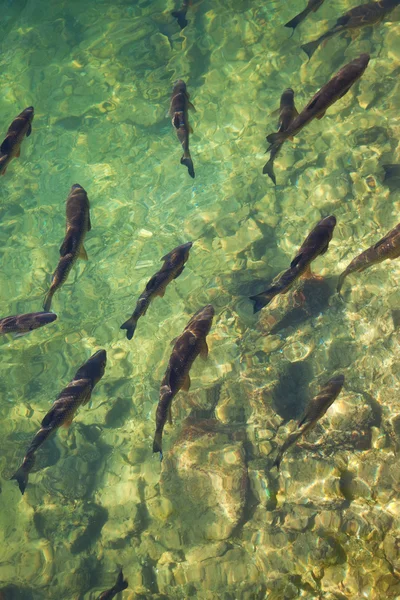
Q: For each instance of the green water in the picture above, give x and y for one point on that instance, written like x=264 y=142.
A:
x=212 y=521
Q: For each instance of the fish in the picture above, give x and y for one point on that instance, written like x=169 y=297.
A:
x=313 y=413
x=22 y=324
x=178 y=111
x=315 y=244
x=77 y=393
x=312 y=6
x=174 y=264
x=180 y=15
x=120 y=585
x=11 y=146
x=391 y=172
x=359 y=16
x=385 y=248
x=332 y=91
x=287 y=112
x=78 y=224
x=187 y=347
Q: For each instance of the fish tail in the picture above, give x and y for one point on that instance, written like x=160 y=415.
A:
x=22 y=475
x=187 y=161
x=121 y=583
x=311 y=47
x=157 y=443
x=269 y=170
x=47 y=301
x=130 y=326
x=278 y=460
x=261 y=300
x=297 y=20
x=275 y=139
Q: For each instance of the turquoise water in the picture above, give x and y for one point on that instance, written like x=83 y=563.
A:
x=212 y=520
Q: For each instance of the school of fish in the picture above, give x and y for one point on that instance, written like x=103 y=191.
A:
x=192 y=342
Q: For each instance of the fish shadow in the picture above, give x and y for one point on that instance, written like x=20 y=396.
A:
x=316 y=294
x=292 y=392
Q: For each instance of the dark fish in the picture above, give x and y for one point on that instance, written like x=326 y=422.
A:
x=313 y=413
x=359 y=16
x=21 y=324
x=120 y=585
x=174 y=263
x=180 y=15
x=312 y=6
x=76 y=394
x=187 y=347
x=178 y=111
x=11 y=146
x=332 y=91
x=315 y=244
x=391 y=172
x=287 y=112
x=387 y=247
x=78 y=224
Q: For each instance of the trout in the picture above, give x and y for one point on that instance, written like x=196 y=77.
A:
x=287 y=112
x=387 y=247
x=312 y=6
x=78 y=224
x=178 y=111
x=11 y=146
x=315 y=244
x=313 y=413
x=174 y=264
x=332 y=91
x=359 y=16
x=21 y=324
x=120 y=585
x=76 y=394
x=187 y=347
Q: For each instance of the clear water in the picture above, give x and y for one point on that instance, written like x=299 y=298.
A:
x=211 y=521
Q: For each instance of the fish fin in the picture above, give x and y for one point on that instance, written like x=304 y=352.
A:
x=269 y=170
x=204 y=350
x=176 y=121
x=130 y=326
x=67 y=245
x=179 y=271
x=21 y=476
x=20 y=334
x=307 y=273
x=121 y=584
x=174 y=340
x=190 y=105
x=276 y=138
x=296 y=260
x=259 y=301
x=157 y=443
x=278 y=460
x=82 y=253
x=29 y=130
x=169 y=415
x=321 y=115
x=310 y=48
x=69 y=420
x=186 y=383
x=294 y=22
x=89 y=227
x=190 y=129
x=160 y=292
x=6 y=146
x=187 y=161
x=18 y=153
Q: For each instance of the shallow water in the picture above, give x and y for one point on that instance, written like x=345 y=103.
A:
x=212 y=520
